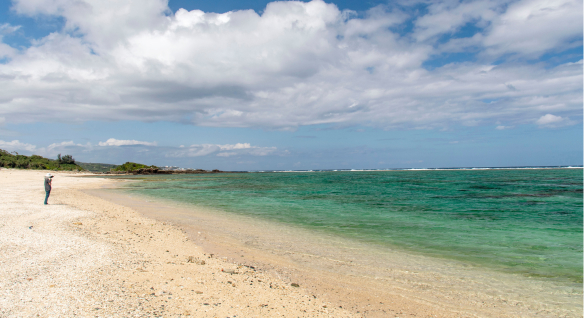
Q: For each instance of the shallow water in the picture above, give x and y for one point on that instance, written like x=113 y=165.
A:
x=447 y=241
x=517 y=220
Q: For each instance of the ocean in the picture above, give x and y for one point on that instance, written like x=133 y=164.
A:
x=519 y=221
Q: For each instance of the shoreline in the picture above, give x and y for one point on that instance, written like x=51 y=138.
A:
x=84 y=256
x=152 y=263
x=344 y=273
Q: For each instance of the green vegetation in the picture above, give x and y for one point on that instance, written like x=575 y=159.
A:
x=14 y=160
x=97 y=167
x=132 y=166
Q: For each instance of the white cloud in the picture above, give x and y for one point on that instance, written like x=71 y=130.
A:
x=6 y=28
x=6 y=51
x=448 y=17
x=116 y=143
x=16 y=145
x=533 y=27
x=76 y=149
x=552 y=121
x=221 y=150
x=295 y=64
x=236 y=146
x=194 y=151
x=49 y=151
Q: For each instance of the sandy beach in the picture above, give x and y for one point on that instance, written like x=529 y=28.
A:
x=83 y=255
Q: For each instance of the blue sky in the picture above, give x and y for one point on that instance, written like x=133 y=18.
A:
x=258 y=85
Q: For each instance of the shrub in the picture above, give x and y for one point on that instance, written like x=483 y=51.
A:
x=66 y=159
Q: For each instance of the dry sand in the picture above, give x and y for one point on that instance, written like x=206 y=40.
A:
x=82 y=255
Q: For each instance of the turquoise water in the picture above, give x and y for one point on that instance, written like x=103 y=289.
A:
x=518 y=220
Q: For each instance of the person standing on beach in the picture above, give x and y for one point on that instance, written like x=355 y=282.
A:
x=48 y=186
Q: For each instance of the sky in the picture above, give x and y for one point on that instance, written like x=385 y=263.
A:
x=294 y=85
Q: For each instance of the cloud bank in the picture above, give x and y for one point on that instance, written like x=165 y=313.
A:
x=65 y=147
x=296 y=64
x=221 y=150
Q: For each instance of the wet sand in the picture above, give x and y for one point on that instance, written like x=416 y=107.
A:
x=95 y=252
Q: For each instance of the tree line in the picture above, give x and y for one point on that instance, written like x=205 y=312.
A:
x=15 y=160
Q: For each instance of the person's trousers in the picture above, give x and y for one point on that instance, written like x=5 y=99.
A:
x=47 y=197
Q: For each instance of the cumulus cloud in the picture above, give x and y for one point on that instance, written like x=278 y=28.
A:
x=16 y=145
x=295 y=64
x=116 y=143
x=552 y=121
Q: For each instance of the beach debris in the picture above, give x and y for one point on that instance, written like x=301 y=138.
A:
x=229 y=271
x=294 y=285
x=198 y=292
x=196 y=260
x=30 y=227
x=77 y=223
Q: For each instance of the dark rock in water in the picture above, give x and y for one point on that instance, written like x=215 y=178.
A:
x=146 y=171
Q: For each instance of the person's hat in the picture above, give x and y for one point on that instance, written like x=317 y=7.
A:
x=49 y=175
